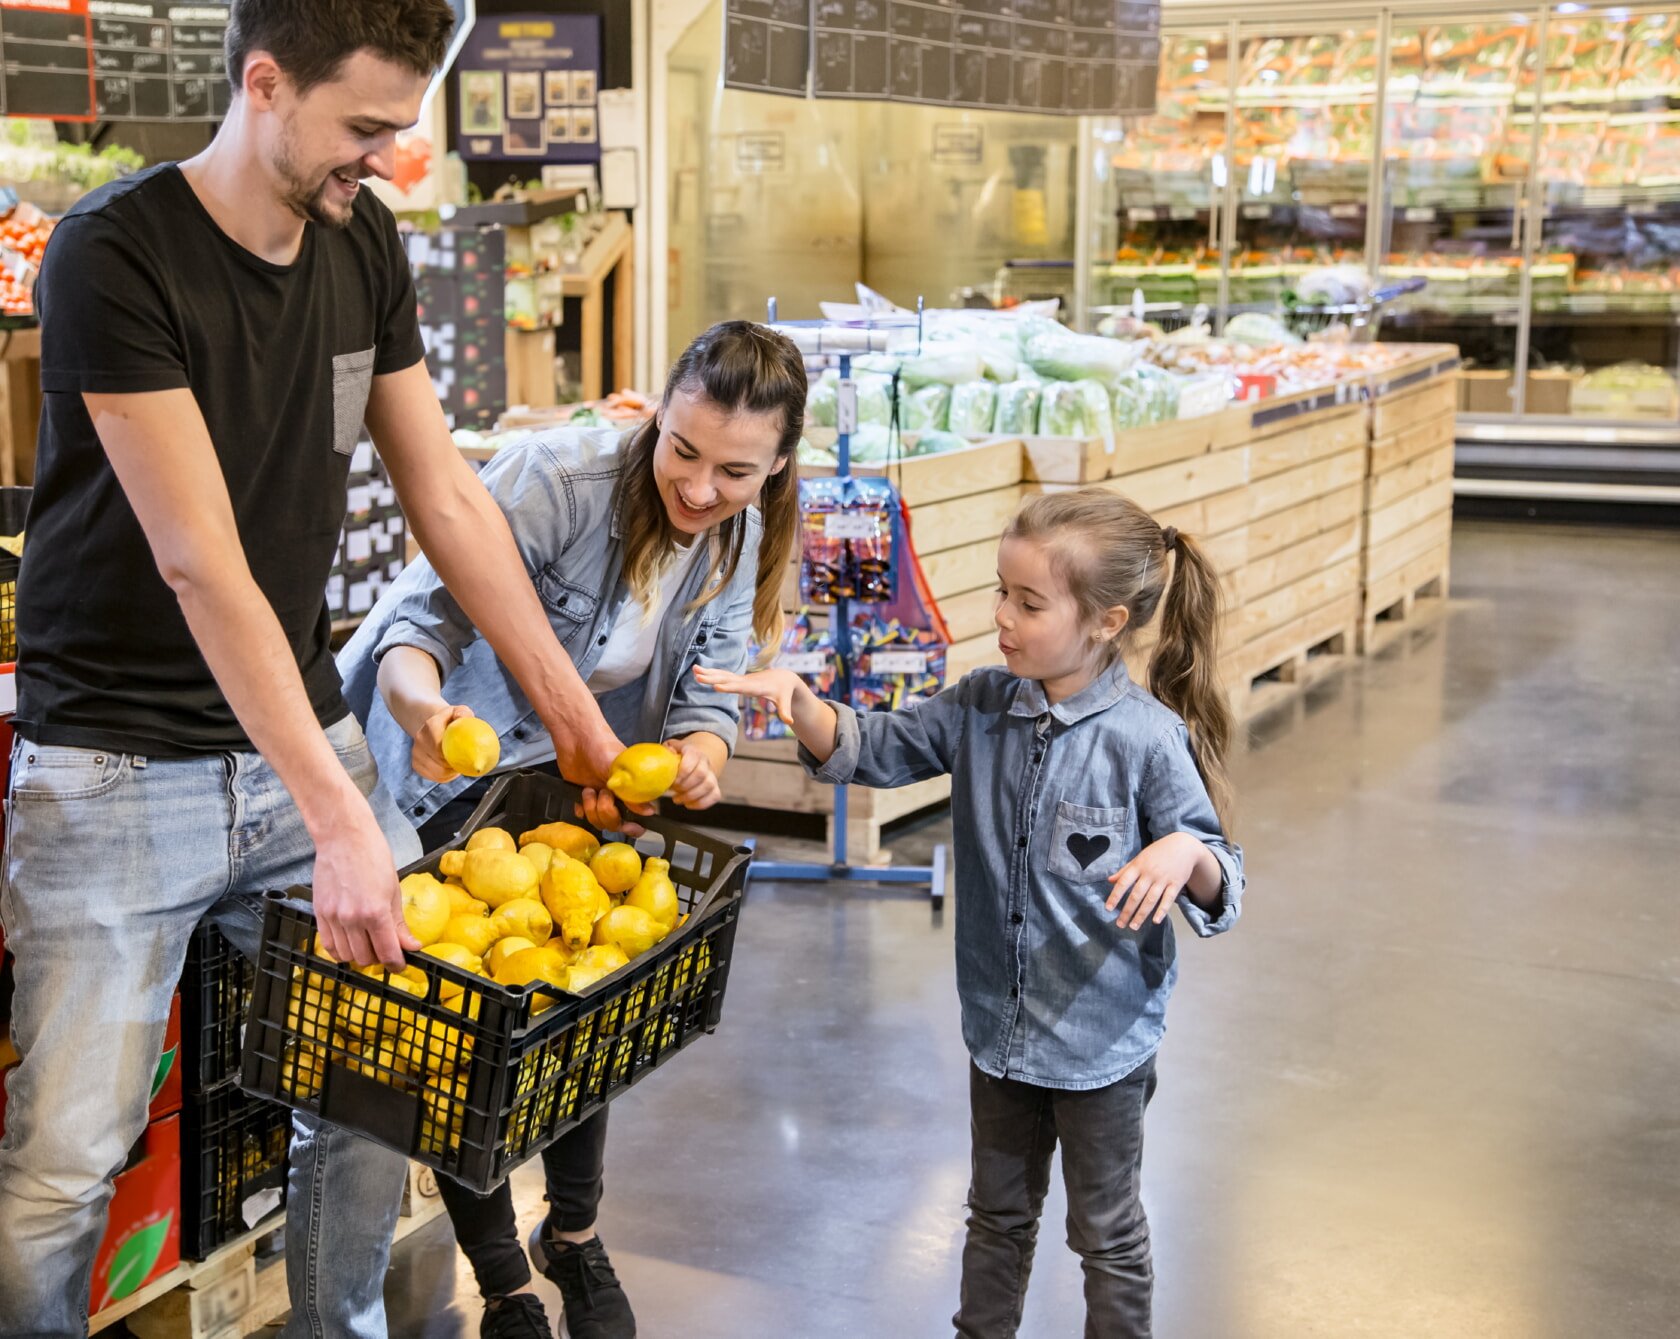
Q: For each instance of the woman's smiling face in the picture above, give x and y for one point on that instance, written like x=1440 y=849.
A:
x=709 y=464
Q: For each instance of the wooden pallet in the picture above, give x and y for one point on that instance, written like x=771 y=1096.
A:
x=1405 y=596
x=1408 y=505
x=1291 y=658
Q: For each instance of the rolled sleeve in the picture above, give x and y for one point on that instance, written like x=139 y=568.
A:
x=1175 y=799
x=406 y=633
x=894 y=748
x=842 y=763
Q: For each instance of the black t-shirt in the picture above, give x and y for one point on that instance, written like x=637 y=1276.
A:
x=141 y=291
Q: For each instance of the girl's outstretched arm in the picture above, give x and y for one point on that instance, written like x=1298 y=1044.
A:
x=812 y=720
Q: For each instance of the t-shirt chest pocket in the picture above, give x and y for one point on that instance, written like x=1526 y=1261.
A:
x=352 y=380
x=1089 y=844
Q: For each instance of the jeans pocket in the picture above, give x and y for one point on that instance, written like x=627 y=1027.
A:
x=351 y=746
x=57 y=773
x=352 y=380
x=1089 y=844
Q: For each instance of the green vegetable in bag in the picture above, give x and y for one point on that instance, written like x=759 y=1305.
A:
x=1072 y=357
x=1099 y=410
x=1017 y=408
x=973 y=405
x=934 y=443
x=1062 y=411
x=822 y=402
x=943 y=364
x=924 y=409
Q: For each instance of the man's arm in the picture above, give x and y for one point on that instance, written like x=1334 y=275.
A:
x=161 y=451
x=467 y=540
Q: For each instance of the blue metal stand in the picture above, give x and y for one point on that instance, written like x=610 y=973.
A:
x=841 y=870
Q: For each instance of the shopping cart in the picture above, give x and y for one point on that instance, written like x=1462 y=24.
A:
x=1359 y=319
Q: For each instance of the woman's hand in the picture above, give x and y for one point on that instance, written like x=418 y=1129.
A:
x=427 y=755
x=697 y=785
x=773 y=685
x=1155 y=877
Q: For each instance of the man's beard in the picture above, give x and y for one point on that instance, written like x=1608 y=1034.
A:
x=306 y=201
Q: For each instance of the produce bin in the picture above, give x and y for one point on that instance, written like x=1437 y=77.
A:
x=462 y=1074
x=215 y=994
x=233 y=1151
x=14 y=510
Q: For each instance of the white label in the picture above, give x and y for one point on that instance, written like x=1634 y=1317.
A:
x=1420 y=214
x=1141 y=214
x=1257 y=211
x=853 y=525
x=803 y=662
x=361 y=597
x=845 y=407
x=258 y=1206
x=359 y=499
x=358 y=546
x=8 y=694
x=361 y=458
x=1345 y=211
x=898 y=662
x=1181 y=213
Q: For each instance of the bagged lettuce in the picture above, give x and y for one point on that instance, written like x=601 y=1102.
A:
x=924 y=409
x=943 y=364
x=934 y=443
x=1066 y=356
x=1017 y=408
x=874 y=444
x=822 y=401
x=874 y=395
x=1062 y=411
x=973 y=405
x=1099 y=410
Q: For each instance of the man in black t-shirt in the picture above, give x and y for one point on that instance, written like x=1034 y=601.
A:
x=214 y=335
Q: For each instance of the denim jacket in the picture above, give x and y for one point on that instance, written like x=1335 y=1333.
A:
x=556 y=490
x=1047 y=802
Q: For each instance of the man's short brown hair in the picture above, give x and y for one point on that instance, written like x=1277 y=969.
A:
x=311 y=39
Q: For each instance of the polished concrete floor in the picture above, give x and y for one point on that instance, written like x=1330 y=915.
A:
x=1429 y=1088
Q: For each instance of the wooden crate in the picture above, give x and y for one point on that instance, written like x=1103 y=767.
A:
x=1070 y=460
x=1407 y=554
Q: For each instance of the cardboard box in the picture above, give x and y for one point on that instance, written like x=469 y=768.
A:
x=1485 y=392
x=143 y=1226
x=1548 y=391
x=166 y=1078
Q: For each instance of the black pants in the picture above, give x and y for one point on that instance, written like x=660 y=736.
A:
x=1016 y=1127
x=485 y=1225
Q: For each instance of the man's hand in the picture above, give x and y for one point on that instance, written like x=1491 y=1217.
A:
x=358 y=904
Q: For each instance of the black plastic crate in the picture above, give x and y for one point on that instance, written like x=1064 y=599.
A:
x=233 y=1149
x=14 y=513
x=215 y=997
x=467 y=1076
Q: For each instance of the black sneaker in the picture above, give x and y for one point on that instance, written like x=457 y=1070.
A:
x=520 y=1316
x=596 y=1307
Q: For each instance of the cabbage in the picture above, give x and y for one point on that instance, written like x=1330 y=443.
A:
x=945 y=364
x=1259 y=330
x=1130 y=408
x=872 y=445
x=972 y=407
x=1069 y=357
x=1099 y=410
x=822 y=403
x=934 y=443
x=1017 y=408
x=874 y=397
x=929 y=407
x=816 y=457
x=1062 y=411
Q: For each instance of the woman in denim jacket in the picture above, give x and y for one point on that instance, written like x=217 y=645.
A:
x=654 y=553
x=1075 y=793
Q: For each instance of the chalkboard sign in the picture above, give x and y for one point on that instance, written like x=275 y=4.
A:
x=1062 y=57
x=116 y=60
x=767 y=45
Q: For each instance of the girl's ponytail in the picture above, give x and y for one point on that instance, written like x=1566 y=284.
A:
x=1184 y=671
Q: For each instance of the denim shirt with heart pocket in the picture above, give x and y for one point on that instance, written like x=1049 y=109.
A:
x=558 y=492
x=1047 y=802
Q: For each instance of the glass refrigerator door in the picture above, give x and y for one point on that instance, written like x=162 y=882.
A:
x=1456 y=165
x=1606 y=293
x=1158 y=193
x=1301 y=152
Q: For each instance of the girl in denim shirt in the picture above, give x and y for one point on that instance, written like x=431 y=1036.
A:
x=653 y=551
x=1085 y=807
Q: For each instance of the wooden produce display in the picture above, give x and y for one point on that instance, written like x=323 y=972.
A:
x=1407 y=554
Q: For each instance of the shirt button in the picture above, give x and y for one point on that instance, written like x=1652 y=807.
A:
x=419 y=808
x=601 y=640
x=1021 y=842
x=1014 y=992
x=1017 y=918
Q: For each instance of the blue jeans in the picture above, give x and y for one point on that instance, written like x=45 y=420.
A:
x=111 y=860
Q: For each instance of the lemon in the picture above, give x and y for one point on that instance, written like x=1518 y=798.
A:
x=535 y=964
x=575 y=900
x=425 y=904
x=449 y=992
x=473 y=933
x=630 y=929
x=579 y=843
x=617 y=867
x=491 y=839
x=492 y=876
x=523 y=918
x=643 y=772
x=540 y=854
x=655 y=894
x=502 y=950
x=470 y=746
x=593 y=964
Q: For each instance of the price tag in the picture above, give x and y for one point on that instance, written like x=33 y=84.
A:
x=852 y=525
x=1181 y=213
x=1345 y=211
x=898 y=662
x=1257 y=211
x=845 y=408
x=1141 y=214
x=803 y=662
x=1420 y=214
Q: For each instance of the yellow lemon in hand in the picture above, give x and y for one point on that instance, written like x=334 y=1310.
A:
x=470 y=746
x=643 y=772
x=616 y=867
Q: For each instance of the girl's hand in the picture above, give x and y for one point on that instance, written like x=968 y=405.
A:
x=427 y=755
x=1155 y=878
x=773 y=685
x=696 y=786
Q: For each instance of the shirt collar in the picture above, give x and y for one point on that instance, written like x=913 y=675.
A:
x=1098 y=695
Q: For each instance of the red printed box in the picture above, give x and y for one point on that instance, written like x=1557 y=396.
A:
x=166 y=1078
x=143 y=1230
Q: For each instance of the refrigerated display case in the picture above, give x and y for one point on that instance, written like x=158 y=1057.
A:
x=1525 y=164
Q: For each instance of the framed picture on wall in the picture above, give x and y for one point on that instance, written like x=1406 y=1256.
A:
x=524 y=95
x=559 y=127
x=557 y=88
x=583 y=89
x=583 y=125
x=481 y=102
